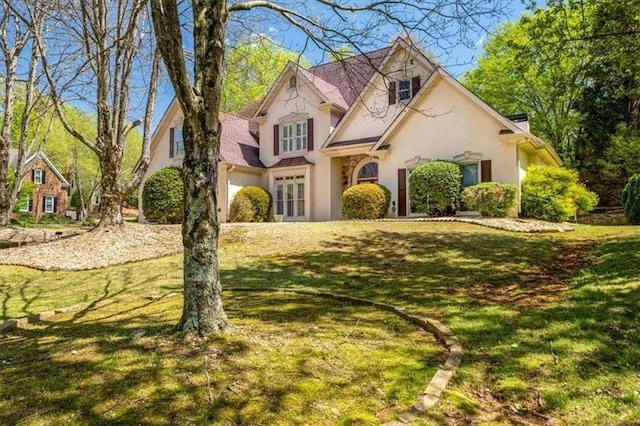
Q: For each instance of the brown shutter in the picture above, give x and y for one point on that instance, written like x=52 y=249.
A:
x=485 y=171
x=44 y=174
x=392 y=93
x=172 y=142
x=310 y=134
x=55 y=204
x=33 y=175
x=276 y=139
x=415 y=85
x=402 y=192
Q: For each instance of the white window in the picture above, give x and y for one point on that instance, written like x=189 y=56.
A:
x=49 y=204
x=293 y=137
x=290 y=200
x=404 y=90
x=25 y=206
x=37 y=176
x=179 y=141
x=470 y=174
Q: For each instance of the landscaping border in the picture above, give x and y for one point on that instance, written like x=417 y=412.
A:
x=440 y=380
x=429 y=397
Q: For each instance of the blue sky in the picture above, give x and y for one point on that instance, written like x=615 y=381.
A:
x=457 y=59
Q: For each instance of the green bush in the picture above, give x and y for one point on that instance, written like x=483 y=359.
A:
x=631 y=200
x=435 y=187
x=251 y=204
x=162 y=196
x=365 y=201
x=74 y=203
x=491 y=199
x=554 y=194
x=54 y=219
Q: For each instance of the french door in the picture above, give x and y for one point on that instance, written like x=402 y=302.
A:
x=290 y=196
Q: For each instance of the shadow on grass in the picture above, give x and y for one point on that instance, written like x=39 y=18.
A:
x=546 y=322
x=88 y=369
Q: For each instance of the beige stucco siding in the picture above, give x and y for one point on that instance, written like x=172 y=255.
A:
x=372 y=114
x=449 y=125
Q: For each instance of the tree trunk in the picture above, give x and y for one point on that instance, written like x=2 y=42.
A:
x=110 y=192
x=202 y=311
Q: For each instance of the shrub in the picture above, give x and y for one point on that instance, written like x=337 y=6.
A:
x=74 y=202
x=162 y=196
x=554 y=194
x=54 y=219
x=251 y=204
x=435 y=187
x=365 y=201
x=491 y=199
x=631 y=200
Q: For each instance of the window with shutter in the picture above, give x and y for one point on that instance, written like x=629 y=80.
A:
x=172 y=142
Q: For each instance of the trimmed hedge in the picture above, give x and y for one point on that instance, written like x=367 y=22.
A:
x=554 y=194
x=631 y=200
x=251 y=204
x=491 y=199
x=365 y=201
x=163 y=196
x=436 y=187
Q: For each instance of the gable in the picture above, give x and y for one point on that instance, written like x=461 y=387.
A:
x=376 y=110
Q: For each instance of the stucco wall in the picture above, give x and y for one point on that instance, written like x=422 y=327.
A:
x=302 y=103
x=372 y=115
x=453 y=125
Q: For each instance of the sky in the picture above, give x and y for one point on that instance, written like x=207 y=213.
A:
x=456 y=58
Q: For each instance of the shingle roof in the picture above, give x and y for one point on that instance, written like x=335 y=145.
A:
x=290 y=162
x=237 y=144
x=350 y=76
x=329 y=90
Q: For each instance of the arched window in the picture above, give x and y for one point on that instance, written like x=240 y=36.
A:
x=367 y=173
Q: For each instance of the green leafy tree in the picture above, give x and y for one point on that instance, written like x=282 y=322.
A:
x=537 y=65
x=631 y=200
x=251 y=67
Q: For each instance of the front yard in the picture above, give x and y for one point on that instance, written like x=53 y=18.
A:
x=549 y=324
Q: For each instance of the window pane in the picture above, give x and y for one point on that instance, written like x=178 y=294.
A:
x=404 y=90
x=469 y=174
x=279 y=199
x=290 y=199
x=368 y=172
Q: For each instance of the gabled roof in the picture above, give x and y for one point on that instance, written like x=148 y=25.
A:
x=291 y=162
x=438 y=73
x=380 y=63
x=13 y=158
x=351 y=75
x=238 y=145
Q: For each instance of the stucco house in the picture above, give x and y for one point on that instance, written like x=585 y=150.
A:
x=51 y=188
x=369 y=118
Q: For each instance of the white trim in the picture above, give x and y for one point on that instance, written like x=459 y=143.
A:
x=25 y=207
x=53 y=204
x=293 y=171
x=37 y=176
x=468 y=157
x=53 y=168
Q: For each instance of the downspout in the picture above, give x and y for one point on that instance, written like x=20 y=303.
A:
x=229 y=170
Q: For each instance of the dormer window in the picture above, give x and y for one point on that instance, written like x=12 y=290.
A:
x=293 y=82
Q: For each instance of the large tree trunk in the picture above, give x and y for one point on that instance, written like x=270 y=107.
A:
x=202 y=311
x=110 y=191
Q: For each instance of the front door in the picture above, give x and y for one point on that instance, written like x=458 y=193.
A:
x=290 y=197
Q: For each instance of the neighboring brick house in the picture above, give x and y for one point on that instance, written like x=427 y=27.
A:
x=49 y=196
x=369 y=118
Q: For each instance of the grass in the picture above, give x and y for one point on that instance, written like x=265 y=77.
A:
x=549 y=322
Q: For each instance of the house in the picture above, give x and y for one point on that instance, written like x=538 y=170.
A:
x=369 y=118
x=50 y=190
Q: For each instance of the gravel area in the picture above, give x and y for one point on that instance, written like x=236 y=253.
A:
x=45 y=250
x=98 y=248
x=506 y=224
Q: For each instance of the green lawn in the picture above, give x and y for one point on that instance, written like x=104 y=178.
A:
x=549 y=324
